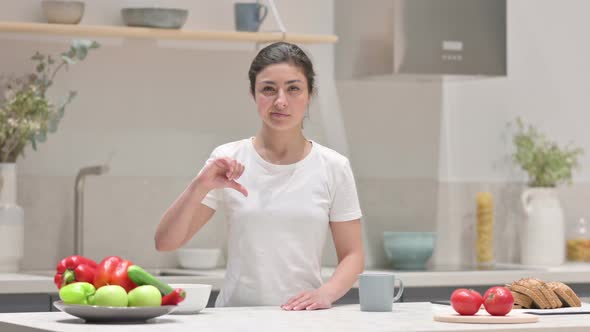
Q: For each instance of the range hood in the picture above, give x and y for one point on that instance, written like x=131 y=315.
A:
x=380 y=38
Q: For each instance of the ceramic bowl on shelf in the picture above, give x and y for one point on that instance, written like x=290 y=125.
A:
x=152 y=17
x=408 y=250
x=63 y=12
x=200 y=258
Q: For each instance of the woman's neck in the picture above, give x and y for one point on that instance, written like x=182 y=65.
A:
x=281 y=147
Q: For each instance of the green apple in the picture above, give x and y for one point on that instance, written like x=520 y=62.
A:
x=111 y=295
x=145 y=296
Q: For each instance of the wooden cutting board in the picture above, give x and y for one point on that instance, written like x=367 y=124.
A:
x=481 y=318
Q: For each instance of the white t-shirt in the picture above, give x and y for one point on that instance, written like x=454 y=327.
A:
x=277 y=233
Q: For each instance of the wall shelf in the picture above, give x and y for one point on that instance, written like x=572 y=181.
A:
x=151 y=33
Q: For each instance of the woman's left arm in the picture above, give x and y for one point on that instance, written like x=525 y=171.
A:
x=349 y=248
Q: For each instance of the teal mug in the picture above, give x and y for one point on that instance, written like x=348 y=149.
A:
x=249 y=16
x=376 y=291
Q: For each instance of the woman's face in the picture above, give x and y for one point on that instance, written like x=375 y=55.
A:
x=281 y=96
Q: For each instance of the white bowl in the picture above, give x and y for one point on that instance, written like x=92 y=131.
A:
x=63 y=12
x=197 y=296
x=197 y=258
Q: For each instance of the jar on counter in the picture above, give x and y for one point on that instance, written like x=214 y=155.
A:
x=578 y=242
x=484 y=245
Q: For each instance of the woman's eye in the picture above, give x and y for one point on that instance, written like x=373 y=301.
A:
x=294 y=88
x=268 y=89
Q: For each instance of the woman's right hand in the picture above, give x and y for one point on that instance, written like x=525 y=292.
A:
x=222 y=173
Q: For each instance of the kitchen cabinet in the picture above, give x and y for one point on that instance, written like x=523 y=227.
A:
x=152 y=33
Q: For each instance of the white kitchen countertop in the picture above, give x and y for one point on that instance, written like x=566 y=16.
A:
x=415 y=316
x=42 y=281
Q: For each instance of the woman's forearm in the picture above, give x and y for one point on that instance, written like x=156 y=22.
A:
x=177 y=221
x=345 y=275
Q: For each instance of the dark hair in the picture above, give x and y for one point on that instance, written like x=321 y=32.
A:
x=282 y=52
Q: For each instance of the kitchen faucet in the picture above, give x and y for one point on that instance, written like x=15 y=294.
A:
x=79 y=204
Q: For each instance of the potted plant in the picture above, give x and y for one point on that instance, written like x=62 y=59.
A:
x=27 y=115
x=547 y=165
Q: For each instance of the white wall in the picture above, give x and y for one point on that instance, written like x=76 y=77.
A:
x=158 y=101
x=547 y=85
x=419 y=151
x=158 y=108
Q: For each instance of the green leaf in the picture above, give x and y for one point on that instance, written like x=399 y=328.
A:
x=546 y=163
x=82 y=47
x=41 y=136
x=68 y=60
x=53 y=122
x=82 y=52
x=29 y=112
x=37 y=57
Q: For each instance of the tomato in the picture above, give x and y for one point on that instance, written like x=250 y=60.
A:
x=466 y=301
x=498 y=301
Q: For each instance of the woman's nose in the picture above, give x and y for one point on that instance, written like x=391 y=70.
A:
x=281 y=101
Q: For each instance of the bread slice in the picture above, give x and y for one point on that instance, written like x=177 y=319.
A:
x=522 y=300
x=542 y=297
x=551 y=297
x=565 y=294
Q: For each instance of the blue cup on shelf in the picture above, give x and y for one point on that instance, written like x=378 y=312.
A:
x=249 y=16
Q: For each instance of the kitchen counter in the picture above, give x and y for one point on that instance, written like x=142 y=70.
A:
x=42 y=281
x=405 y=317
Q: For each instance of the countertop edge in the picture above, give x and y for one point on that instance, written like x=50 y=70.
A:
x=42 y=281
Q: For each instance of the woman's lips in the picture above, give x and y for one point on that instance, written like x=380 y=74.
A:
x=279 y=115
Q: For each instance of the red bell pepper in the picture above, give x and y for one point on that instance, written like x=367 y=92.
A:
x=175 y=297
x=112 y=270
x=74 y=268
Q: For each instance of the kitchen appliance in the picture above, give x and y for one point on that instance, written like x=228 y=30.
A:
x=389 y=38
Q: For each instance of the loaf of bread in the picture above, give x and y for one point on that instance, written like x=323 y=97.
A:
x=534 y=293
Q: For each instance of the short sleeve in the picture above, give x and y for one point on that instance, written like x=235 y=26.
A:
x=213 y=197
x=345 y=203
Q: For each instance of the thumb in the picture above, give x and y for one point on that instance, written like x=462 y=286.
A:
x=234 y=185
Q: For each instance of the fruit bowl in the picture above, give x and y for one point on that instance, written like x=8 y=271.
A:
x=103 y=314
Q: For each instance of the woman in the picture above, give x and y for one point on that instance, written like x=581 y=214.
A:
x=290 y=191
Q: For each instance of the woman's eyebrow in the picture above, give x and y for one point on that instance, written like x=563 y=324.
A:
x=273 y=82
